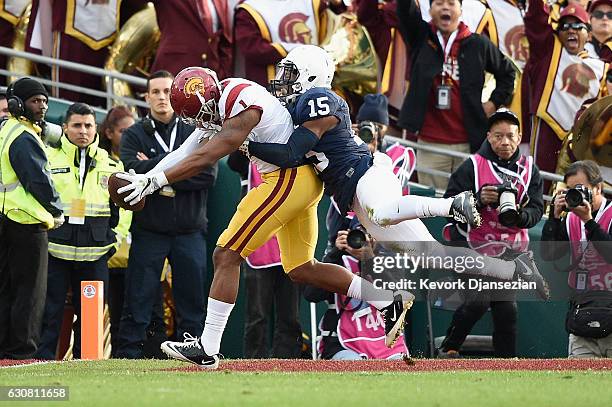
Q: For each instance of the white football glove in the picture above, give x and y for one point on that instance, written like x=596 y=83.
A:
x=141 y=185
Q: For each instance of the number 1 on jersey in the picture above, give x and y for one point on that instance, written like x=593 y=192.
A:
x=321 y=108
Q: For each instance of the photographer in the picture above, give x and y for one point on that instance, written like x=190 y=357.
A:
x=30 y=206
x=373 y=121
x=351 y=328
x=509 y=198
x=581 y=214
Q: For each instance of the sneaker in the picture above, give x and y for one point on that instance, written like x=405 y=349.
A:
x=463 y=209
x=190 y=350
x=527 y=270
x=448 y=354
x=395 y=317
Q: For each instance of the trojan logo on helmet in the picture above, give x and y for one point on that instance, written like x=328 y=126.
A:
x=201 y=110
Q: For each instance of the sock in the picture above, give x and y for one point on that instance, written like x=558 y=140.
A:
x=217 y=315
x=364 y=290
x=413 y=207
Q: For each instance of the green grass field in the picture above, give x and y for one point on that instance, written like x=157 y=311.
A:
x=118 y=383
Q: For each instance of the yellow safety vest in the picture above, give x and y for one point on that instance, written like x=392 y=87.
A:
x=15 y=202
x=90 y=201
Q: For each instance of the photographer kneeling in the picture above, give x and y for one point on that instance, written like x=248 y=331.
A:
x=581 y=224
x=509 y=198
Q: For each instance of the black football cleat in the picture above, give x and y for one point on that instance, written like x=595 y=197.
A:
x=395 y=317
x=527 y=270
x=463 y=209
x=190 y=350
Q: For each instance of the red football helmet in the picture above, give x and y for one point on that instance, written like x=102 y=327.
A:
x=195 y=96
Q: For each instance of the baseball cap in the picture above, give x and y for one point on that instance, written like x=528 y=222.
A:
x=503 y=114
x=596 y=3
x=575 y=10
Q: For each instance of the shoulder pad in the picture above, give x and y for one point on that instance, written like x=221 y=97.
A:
x=314 y=104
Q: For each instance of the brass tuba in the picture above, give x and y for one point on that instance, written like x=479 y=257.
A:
x=590 y=139
x=15 y=64
x=134 y=48
x=351 y=48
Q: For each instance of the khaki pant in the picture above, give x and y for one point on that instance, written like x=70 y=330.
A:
x=425 y=159
x=581 y=347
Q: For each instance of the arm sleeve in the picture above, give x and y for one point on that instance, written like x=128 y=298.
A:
x=169 y=160
x=239 y=163
x=533 y=211
x=411 y=24
x=539 y=32
x=501 y=68
x=368 y=13
x=130 y=146
x=252 y=45
x=287 y=155
x=29 y=162
x=600 y=238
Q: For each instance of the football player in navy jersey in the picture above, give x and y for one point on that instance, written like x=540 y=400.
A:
x=356 y=179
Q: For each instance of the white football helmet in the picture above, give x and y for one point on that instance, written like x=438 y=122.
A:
x=305 y=67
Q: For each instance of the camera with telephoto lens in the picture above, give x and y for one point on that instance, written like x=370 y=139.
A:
x=508 y=214
x=575 y=196
x=367 y=131
x=357 y=238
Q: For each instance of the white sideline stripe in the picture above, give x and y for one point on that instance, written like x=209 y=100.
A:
x=44 y=362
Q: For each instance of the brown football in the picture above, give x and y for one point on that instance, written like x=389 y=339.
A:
x=114 y=183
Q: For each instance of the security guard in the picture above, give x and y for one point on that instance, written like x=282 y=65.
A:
x=29 y=207
x=78 y=250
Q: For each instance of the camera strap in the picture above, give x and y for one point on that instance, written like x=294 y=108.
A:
x=517 y=177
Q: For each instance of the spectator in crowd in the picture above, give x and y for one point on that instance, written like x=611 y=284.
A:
x=581 y=224
x=267 y=287
x=267 y=30
x=600 y=44
x=9 y=17
x=172 y=225
x=30 y=206
x=474 y=14
x=194 y=33
x=498 y=166
x=80 y=248
x=4 y=111
x=373 y=121
x=443 y=105
x=117 y=120
x=380 y=19
x=562 y=77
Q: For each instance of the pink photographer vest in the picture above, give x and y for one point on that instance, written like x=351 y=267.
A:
x=404 y=162
x=267 y=255
x=599 y=272
x=361 y=327
x=492 y=238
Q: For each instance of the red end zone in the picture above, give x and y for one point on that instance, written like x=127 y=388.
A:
x=416 y=365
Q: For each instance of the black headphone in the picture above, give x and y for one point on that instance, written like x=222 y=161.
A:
x=15 y=104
